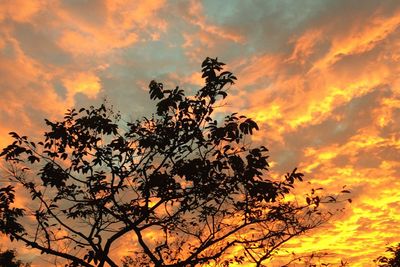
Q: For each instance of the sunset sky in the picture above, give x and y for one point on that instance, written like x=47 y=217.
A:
x=321 y=78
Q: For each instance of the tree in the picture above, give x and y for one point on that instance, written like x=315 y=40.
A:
x=393 y=261
x=8 y=259
x=185 y=184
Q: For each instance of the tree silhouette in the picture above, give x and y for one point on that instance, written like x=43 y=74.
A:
x=183 y=186
x=393 y=261
x=8 y=259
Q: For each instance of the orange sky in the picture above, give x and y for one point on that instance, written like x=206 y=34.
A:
x=322 y=79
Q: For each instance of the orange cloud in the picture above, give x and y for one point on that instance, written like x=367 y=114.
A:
x=304 y=46
x=19 y=10
x=308 y=87
x=83 y=82
x=361 y=38
x=118 y=25
x=204 y=35
x=196 y=17
x=325 y=97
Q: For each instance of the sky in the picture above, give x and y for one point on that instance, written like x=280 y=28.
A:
x=321 y=78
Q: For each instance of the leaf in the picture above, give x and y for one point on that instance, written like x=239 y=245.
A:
x=156 y=90
x=331 y=199
x=224 y=94
x=14 y=135
x=32 y=159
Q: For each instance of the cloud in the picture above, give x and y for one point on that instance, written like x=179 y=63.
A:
x=324 y=106
x=82 y=82
x=115 y=24
x=320 y=78
x=19 y=10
